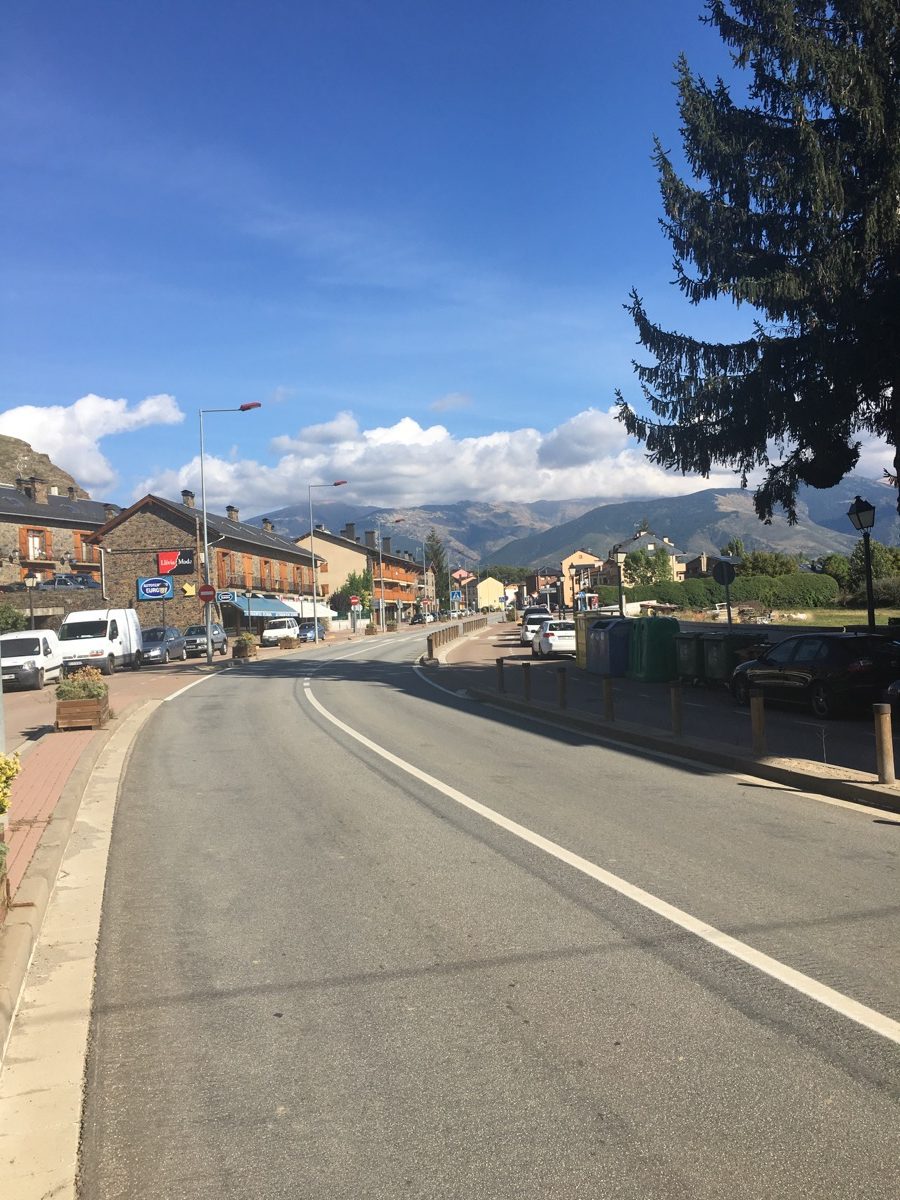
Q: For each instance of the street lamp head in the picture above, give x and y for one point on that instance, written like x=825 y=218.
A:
x=30 y=579
x=247 y=407
x=861 y=514
x=339 y=483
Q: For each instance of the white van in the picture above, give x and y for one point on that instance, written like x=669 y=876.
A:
x=105 y=638
x=30 y=658
x=278 y=628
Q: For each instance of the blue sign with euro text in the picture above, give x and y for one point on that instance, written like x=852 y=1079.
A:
x=156 y=587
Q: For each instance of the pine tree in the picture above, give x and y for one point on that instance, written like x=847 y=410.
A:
x=794 y=209
x=437 y=561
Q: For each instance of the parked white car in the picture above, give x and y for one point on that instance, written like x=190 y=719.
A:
x=531 y=623
x=554 y=637
x=30 y=658
x=278 y=628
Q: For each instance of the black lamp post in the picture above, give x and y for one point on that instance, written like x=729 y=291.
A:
x=30 y=581
x=862 y=518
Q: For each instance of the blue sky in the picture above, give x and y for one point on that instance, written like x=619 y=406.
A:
x=406 y=228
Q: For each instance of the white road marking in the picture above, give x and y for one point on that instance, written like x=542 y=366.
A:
x=869 y=1018
x=439 y=686
x=187 y=687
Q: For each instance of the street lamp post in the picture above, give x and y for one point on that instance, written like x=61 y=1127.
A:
x=29 y=581
x=312 y=550
x=620 y=561
x=862 y=518
x=203 y=411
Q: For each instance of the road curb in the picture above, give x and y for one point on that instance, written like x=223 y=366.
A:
x=20 y=931
x=874 y=795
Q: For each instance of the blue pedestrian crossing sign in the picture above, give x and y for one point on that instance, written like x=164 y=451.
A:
x=456 y=595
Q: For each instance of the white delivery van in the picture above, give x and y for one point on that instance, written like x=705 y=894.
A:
x=105 y=638
x=30 y=658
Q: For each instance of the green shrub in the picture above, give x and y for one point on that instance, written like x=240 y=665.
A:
x=886 y=592
x=85 y=684
x=246 y=638
x=9 y=769
x=12 y=619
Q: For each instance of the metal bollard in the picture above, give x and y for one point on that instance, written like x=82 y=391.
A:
x=431 y=645
x=501 y=681
x=884 y=743
x=609 y=713
x=561 y=686
x=757 y=721
x=526 y=681
x=675 y=694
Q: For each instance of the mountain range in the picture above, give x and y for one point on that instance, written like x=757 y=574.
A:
x=543 y=532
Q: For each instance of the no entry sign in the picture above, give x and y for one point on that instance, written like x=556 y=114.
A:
x=206 y=592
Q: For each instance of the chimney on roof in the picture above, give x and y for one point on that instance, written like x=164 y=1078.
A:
x=187 y=498
x=71 y=493
x=668 y=541
x=22 y=485
x=320 y=528
x=231 y=512
x=109 y=511
x=39 y=490
x=349 y=531
x=356 y=540
x=268 y=527
x=370 y=540
x=385 y=545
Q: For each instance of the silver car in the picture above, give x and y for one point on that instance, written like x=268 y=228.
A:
x=161 y=643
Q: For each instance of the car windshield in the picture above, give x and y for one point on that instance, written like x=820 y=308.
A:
x=195 y=631
x=154 y=635
x=76 y=630
x=19 y=647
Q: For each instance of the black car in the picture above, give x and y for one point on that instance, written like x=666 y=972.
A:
x=825 y=671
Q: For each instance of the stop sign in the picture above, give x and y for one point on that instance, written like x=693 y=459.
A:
x=354 y=599
x=206 y=592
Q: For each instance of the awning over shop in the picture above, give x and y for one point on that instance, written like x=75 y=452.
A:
x=259 y=606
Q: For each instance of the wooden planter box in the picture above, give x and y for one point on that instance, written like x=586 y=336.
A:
x=82 y=714
x=243 y=650
x=288 y=643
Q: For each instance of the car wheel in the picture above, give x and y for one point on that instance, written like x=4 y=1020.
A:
x=740 y=689
x=184 y=655
x=109 y=666
x=223 y=649
x=165 y=658
x=534 y=652
x=137 y=662
x=821 y=701
x=39 y=685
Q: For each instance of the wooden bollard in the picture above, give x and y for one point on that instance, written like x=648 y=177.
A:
x=609 y=712
x=431 y=645
x=884 y=743
x=561 y=686
x=501 y=681
x=526 y=680
x=758 y=721
x=675 y=695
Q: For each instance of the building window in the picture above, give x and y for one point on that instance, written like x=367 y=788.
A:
x=37 y=544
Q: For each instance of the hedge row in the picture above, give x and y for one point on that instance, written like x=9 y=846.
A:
x=798 y=590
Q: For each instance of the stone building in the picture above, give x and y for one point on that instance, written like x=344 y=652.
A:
x=44 y=532
x=159 y=537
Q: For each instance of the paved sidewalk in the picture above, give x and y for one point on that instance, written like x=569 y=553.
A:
x=715 y=731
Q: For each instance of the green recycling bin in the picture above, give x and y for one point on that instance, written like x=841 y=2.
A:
x=651 y=651
x=689 y=657
x=722 y=653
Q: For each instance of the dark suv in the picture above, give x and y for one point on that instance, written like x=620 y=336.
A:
x=826 y=671
x=195 y=639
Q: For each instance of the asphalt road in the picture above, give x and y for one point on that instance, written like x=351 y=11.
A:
x=325 y=972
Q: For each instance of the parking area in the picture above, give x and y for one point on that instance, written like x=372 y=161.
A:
x=708 y=713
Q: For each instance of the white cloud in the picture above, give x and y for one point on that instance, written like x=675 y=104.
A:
x=71 y=434
x=407 y=463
